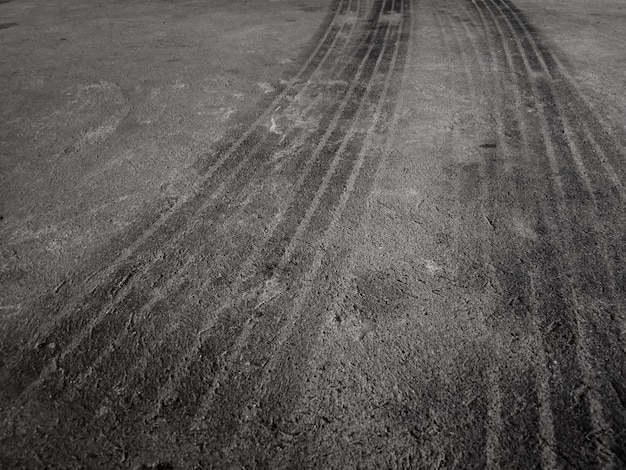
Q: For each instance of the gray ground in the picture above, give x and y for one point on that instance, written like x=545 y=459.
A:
x=295 y=234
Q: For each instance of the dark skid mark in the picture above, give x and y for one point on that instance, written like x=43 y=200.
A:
x=7 y=25
x=487 y=146
x=88 y=302
x=85 y=333
x=27 y=364
x=556 y=322
x=372 y=41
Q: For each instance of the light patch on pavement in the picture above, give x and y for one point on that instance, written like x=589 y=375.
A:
x=266 y=87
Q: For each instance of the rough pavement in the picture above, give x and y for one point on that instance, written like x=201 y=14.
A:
x=412 y=257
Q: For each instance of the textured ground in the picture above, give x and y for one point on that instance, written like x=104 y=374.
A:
x=403 y=247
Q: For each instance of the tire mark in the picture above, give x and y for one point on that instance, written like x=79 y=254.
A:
x=287 y=255
x=251 y=265
x=131 y=302
x=556 y=70
x=312 y=361
x=196 y=353
x=485 y=195
x=612 y=148
x=520 y=77
x=604 y=160
x=579 y=286
x=543 y=394
x=344 y=8
x=544 y=391
x=107 y=294
x=274 y=393
x=580 y=148
x=452 y=19
x=592 y=173
x=498 y=107
x=305 y=70
x=476 y=195
x=443 y=37
x=520 y=424
x=176 y=279
x=612 y=203
x=118 y=265
x=583 y=357
x=262 y=396
x=138 y=371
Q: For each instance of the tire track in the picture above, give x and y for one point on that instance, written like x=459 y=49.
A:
x=497 y=106
x=543 y=296
x=485 y=195
x=476 y=196
x=554 y=154
x=276 y=392
x=544 y=390
x=239 y=286
x=144 y=322
x=579 y=286
x=263 y=397
x=519 y=418
x=592 y=172
x=513 y=417
x=610 y=215
x=613 y=141
x=157 y=356
x=112 y=271
x=460 y=48
x=443 y=37
x=138 y=371
x=324 y=316
x=121 y=271
x=123 y=278
x=548 y=433
x=283 y=250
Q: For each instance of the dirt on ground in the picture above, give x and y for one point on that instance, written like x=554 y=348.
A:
x=313 y=234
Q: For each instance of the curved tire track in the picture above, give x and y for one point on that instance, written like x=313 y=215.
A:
x=141 y=291
x=74 y=325
x=75 y=310
x=149 y=326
